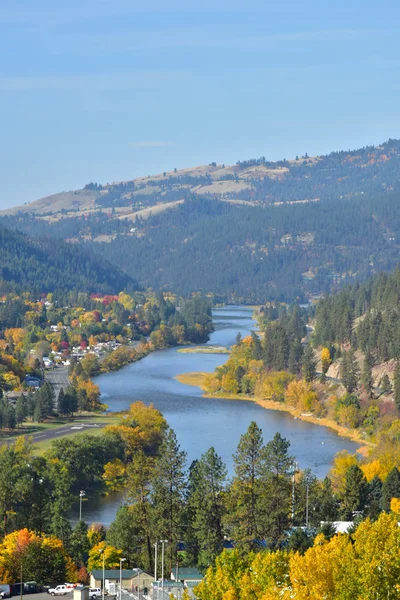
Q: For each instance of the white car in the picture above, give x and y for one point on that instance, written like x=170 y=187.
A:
x=60 y=590
x=94 y=593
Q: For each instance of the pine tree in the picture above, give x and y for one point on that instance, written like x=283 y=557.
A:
x=63 y=407
x=47 y=398
x=276 y=485
x=349 y=371
x=355 y=493
x=11 y=419
x=169 y=487
x=30 y=405
x=366 y=374
x=385 y=384
x=295 y=356
x=309 y=364
x=374 y=499
x=21 y=410
x=206 y=506
x=71 y=399
x=396 y=385
x=124 y=533
x=244 y=515
x=390 y=488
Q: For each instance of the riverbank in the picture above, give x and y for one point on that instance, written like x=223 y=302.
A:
x=197 y=379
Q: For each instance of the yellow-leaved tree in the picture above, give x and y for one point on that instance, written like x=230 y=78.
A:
x=111 y=556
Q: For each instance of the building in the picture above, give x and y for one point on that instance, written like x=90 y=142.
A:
x=190 y=577
x=130 y=578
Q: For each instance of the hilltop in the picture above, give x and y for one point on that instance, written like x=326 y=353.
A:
x=253 y=231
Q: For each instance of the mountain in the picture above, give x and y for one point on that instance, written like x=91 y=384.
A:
x=47 y=265
x=250 y=232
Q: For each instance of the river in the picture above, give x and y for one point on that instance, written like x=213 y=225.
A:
x=203 y=422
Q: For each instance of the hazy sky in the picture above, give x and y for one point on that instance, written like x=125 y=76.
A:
x=104 y=90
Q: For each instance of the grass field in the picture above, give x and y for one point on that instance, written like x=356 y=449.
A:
x=204 y=350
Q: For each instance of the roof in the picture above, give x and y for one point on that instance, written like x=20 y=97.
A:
x=188 y=573
x=114 y=573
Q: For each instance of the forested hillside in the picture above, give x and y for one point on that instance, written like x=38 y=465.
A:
x=252 y=232
x=366 y=317
x=46 y=265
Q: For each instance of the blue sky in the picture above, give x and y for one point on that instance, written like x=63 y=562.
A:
x=106 y=90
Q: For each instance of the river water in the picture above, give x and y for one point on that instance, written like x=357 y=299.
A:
x=203 y=422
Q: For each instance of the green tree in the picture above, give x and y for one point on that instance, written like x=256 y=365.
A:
x=276 y=485
x=396 y=385
x=309 y=364
x=63 y=407
x=366 y=373
x=79 y=543
x=245 y=510
x=21 y=411
x=355 y=493
x=385 y=384
x=169 y=488
x=124 y=533
x=206 y=505
x=390 y=488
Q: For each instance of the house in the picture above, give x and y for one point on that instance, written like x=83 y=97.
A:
x=190 y=577
x=131 y=578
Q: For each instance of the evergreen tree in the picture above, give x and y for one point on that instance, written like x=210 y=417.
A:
x=276 y=486
x=355 y=493
x=47 y=398
x=390 y=488
x=349 y=371
x=30 y=405
x=79 y=543
x=295 y=356
x=169 y=486
x=71 y=399
x=374 y=499
x=396 y=385
x=21 y=409
x=366 y=374
x=257 y=348
x=11 y=419
x=63 y=407
x=244 y=515
x=385 y=384
x=206 y=506
x=309 y=364
x=123 y=533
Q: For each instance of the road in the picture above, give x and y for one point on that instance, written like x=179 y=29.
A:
x=63 y=430
x=58 y=377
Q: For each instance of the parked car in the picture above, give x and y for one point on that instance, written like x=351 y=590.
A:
x=94 y=593
x=5 y=590
x=59 y=590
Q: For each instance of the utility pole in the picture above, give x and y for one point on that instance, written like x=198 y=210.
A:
x=162 y=542
x=293 y=482
x=155 y=565
x=307 y=505
x=81 y=494
x=121 y=560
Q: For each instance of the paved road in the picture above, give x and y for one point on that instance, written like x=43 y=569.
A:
x=58 y=377
x=44 y=596
x=63 y=430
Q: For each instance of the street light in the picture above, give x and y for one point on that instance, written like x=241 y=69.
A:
x=121 y=560
x=101 y=551
x=81 y=494
x=162 y=542
x=155 y=565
